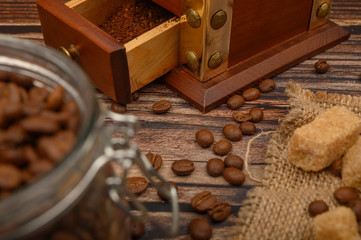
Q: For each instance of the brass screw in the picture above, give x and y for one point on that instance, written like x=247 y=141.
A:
x=192 y=60
x=323 y=10
x=193 y=18
x=71 y=52
x=218 y=19
x=215 y=60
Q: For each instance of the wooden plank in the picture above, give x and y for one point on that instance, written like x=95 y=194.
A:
x=153 y=54
x=259 y=25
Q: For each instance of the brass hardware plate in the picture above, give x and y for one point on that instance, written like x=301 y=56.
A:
x=319 y=14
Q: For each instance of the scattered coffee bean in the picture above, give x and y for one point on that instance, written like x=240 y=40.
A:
x=135 y=96
x=215 y=167
x=241 y=117
x=136 y=228
x=222 y=147
x=137 y=185
x=266 y=86
x=256 y=114
x=183 y=167
x=234 y=161
x=321 y=66
x=317 y=207
x=251 y=94
x=220 y=211
x=162 y=106
x=232 y=132
x=162 y=195
x=203 y=201
x=155 y=159
x=235 y=102
x=118 y=108
x=200 y=229
x=10 y=177
x=344 y=195
x=248 y=128
x=234 y=176
x=355 y=206
x=204 y=138
x=336 y=167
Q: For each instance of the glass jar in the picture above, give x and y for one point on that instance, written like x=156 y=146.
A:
x=82 y=197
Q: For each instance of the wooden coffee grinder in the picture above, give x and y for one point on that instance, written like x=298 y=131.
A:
x=216 y=48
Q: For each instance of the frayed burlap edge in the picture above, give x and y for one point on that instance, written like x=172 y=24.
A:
x=278 y=209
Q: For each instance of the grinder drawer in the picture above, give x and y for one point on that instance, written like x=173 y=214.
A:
x=116 y=69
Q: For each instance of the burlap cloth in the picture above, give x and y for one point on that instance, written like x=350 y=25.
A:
x=279 y=209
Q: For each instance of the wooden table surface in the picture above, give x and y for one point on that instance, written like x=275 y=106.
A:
x=172 y=135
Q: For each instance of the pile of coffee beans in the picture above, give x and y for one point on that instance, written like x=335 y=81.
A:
x=38 y=127
x=347 y=196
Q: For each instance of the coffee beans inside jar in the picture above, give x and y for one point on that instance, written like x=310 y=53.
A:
x=38 y=127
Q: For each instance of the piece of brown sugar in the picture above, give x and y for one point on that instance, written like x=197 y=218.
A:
x=351 y=166
x=317 y=144
x=336 y=224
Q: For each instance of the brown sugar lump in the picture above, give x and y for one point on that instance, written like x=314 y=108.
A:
x=317 y=144
x=351 y=166
x=336 y=224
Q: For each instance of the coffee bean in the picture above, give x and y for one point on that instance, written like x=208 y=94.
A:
x=355 y=206
x=256 y=114
x=136 y=228
x=200 y=229
x=183 y=167
x=235 y=102
x=266 y=86
x=344 y=195
x=317 y=207
x=162 y=106
x=232 y=132
x=336 y=167
x=70 y=106
x=204 y=138
x=62 y=234
x=203 y=201
x=55 y=98
x=135 y=96
x=13 y=110
x=321 y=66
x=39 y=124
x=137 y=185
x=14 y=93
x=40 y=167
x=38 y=94
x=234 y=161
x=248 y=128
x=222 y=147
x=162 y=195
x=220 y=211
x=10 y=177
x=251 y=94
x=155 y=159
x=234 y=176
x=118 y=108
x=215 y=167
x=21 y=80
x=241 y=117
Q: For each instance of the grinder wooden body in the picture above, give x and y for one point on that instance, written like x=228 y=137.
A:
x=215 y=49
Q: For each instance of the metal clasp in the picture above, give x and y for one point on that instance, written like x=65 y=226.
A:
x=126 y=154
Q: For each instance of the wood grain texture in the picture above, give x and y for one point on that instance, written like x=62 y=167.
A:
x=172 y=134
x=259 y=25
